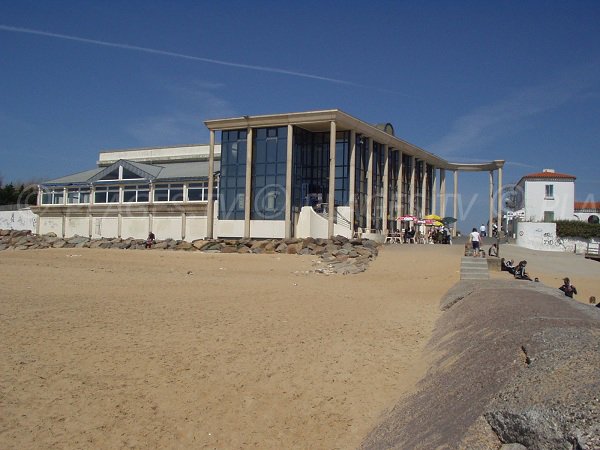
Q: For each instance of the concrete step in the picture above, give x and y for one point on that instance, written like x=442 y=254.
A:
x=474 y=269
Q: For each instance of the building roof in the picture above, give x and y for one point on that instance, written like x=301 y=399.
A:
x=547 y=175
x=587 y=206
x=147 y=172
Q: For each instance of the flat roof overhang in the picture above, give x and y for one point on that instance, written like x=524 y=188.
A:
x=319 y=121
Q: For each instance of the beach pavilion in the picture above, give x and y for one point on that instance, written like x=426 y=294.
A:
x=264 y=176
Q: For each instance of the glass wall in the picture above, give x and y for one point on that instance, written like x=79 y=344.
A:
x=393 y=167
x=268 y=173
x=232 y=188
x=419 y=203
x=407 y=163
x=377 y=186
x=362 y=165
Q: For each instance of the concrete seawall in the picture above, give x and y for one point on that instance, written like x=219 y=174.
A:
x=514 y=363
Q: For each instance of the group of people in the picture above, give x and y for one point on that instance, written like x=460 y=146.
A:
x=519 y=271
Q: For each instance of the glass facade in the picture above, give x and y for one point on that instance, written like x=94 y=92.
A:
x=360 y=186
x=377 y=186
x=393 y=167
x=232 y=188
x=269 y=158
x=407 y=164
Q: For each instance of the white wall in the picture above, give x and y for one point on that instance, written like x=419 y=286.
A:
x=562 y=203
x=167 y=227
x=51 y=225
x=311 y=224
x=274 y=229
x=107 y=227
x=538 y=236
x=229 y=228
x=79 y=226
x=135 y=227
x=195 y=228
x=22 y=219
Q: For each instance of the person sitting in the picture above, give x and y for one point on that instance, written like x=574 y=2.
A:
x=150 y=240
x=520 y=273
x=568 y=288
x=493 y=251
x=507 y=266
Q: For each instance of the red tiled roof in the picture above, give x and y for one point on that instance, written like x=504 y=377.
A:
x=587 y=205
x=549 y=175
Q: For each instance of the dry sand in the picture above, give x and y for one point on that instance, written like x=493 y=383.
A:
x=133 y=349
x=552 y=267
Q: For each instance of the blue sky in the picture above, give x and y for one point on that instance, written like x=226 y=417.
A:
x=470 y=81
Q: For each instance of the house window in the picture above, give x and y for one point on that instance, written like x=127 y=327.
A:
x=76 y=196
x=106 y=194
x=548 y=216
x=168 y=193
x=197 y=192
x=549 y=191
x=136 y=194
x=53 y=197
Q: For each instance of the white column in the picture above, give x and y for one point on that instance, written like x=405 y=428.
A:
x=210 y=214
x=288 y=183
x=384 y=212
x=455 y=201
x=433 y=190
x=183 y=225
x=411 y=201
x=499 y=212
x=370 y=188
x=400 y=177
x=248 y=188
x=442 y=193
x=424 y=191
x=352 y=180
x=331 y=198
x=491 y=217
x=119 y=225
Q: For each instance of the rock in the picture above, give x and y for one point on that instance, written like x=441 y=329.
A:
x=200 y=243
x=281 y=248
x=513 y=447
x=229 y=249
x=77 y=240
x=184 y=246
x=244 y=249
x=58 y=244
x=50 y=235
x=161 y=245
x=292 y=249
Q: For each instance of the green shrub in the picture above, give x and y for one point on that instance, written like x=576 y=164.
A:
x=575 y=228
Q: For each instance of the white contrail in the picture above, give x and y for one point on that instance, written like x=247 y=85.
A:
x=175 y=55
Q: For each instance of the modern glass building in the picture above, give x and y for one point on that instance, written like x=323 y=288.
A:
x=321 y=173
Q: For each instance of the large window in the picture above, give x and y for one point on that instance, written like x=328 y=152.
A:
x=342 y=168
x=377 y=186
x=168 y=192
x=232 y=188
x=53 y=196
x=268 y=174
x=197 y=192
x=106 y=194
x=393 y=166
x=362 y=164
x=76 y=195
x=136 y=194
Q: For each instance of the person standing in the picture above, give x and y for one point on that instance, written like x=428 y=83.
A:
x=482 y=230
x=475 y=239
x=568 y=288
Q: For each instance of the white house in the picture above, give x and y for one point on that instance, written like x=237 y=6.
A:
x=588 y=211
x=546 y=196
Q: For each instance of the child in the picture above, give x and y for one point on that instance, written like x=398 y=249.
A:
x=568 y=288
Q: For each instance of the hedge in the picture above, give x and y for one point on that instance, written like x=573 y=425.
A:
x=575 y=228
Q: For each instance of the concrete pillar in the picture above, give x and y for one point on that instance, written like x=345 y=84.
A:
x=499 y=212
x=442 y=193
x=433 y=190
x=384 y=212
x=411 y=201
x=400 y=177
x=248 y=188
x=183 y=225
x=455 y=202
x=491 y=217
x=210 y=213
x=352 y=180
x=424 y=191
x=331 y=198
x=119 y=225
x=288 y=183
x=370 y=188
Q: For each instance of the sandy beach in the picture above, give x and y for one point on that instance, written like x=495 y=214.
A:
x=135 y=349
x=158 y=349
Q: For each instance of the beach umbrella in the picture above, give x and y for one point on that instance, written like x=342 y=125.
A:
x=433 y=222
x=407 y=218
x=433 y=217
x=448 y=220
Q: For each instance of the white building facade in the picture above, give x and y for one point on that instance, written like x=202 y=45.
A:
x=546 y=196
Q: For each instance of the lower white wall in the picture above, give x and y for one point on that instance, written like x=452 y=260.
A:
x=107 y=227
x=22 y=219
x=79 y=226
x=134 y=227
x=51 y=225
x=195 y=228
x=229 y=228
x=267 y=228
x=167 y=227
